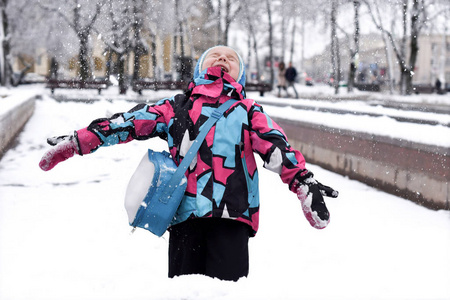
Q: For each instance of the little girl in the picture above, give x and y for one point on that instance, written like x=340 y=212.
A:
x=220 y=208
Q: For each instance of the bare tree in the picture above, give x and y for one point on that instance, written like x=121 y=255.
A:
x=352 y=43
x=223 y=14
x=118 y=40
x=414 y=19
x=81 y=21
x=252 y=25
x=304 y=12
x=390 y=19
x=20 y=36
x=290 y=12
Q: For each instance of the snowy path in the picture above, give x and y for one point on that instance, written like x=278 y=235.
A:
x=384 y=125
x=64 y=233
x=355 y=107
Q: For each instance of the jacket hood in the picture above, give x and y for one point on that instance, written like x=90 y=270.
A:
x=241 y=76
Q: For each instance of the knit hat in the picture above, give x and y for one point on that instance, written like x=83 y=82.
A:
x=241 y=76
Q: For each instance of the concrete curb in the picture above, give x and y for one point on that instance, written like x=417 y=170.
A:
x=15 y=111
x=410 y=170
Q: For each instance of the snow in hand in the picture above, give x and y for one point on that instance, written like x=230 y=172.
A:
x=64 y=234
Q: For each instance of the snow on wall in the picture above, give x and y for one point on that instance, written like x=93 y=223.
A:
x=15 y=111
x=410 y=170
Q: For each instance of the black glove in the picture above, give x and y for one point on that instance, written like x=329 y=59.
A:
x=310 y=192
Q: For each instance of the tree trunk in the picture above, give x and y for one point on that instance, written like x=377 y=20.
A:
x=338 y=67
x=255 y=41
x=139 y=48
x=269 y=14
x=121 y=75
x=84 y=71
x=441 y=73
x=153 y=54
x=5 y=73
x=414 y=46
x=283 y=32
x=136 y=64
x=219 y=23
x=227 y=21
x=108 y=64
x=294 y=28
x=391 y=81
x=335 y=60
x=229 y=18
x=255 y=49
x=354 y=54
x=303 y=45
x=402 y=64
x=249 y=48
x=136 y=48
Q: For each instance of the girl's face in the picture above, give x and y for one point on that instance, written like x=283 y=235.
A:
x=223 y=57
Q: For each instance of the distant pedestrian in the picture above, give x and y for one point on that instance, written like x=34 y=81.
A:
x=438 y=86
x=54 y=66
x=291 y=74
x=282 y=79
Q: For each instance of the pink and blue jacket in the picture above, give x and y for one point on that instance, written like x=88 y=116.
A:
x=223 y=178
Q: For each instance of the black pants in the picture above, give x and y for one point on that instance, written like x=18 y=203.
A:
x=210 y=246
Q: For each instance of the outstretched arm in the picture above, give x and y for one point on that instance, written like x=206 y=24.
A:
x=269 y=140
x=140 y=123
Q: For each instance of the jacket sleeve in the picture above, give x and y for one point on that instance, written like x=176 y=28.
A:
x=140 y=123
x=270 y=142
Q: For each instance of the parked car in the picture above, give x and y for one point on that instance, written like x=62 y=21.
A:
x=309 y=81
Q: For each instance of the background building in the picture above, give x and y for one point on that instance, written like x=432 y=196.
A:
x=433 y=61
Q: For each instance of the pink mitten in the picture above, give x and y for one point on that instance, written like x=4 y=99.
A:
x=65 y=147
x=310 y=193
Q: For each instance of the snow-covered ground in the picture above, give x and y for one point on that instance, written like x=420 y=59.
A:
x=64 y=233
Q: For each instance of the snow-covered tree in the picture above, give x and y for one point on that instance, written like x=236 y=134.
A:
x=21 y=34
x=116 y=36
x=224 y=13
x=253 y=27
x=415 y=16
x=80 y=16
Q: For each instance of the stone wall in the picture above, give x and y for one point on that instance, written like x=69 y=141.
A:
x=14 y=114
x=410 y=170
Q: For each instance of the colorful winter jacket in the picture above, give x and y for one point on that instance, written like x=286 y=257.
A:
x=223 y=178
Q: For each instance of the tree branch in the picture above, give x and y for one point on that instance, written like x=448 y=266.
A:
x=94 y=18
x=64 y=17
